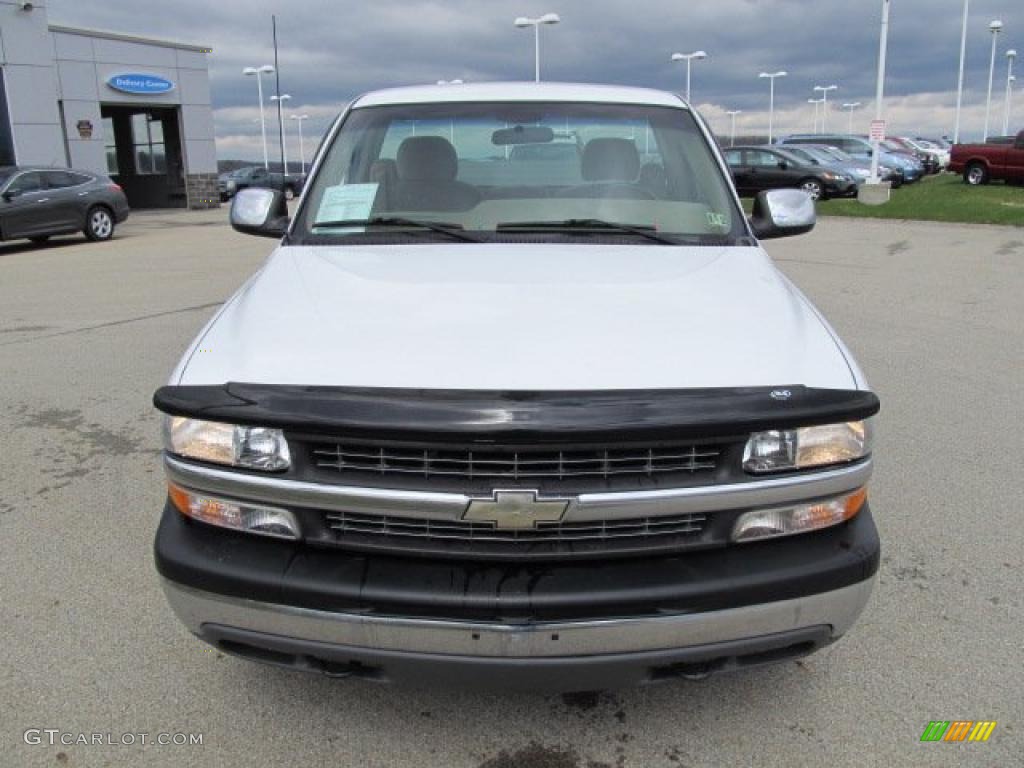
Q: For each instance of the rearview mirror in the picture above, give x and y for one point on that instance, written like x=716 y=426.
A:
x=782 y=213
x=258 y=211
x=522 y=134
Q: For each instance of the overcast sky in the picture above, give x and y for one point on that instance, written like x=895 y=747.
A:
x=331 y=50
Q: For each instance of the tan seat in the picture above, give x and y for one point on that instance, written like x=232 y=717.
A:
x=427 y=167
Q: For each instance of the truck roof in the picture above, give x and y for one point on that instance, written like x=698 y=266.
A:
x=525 y=91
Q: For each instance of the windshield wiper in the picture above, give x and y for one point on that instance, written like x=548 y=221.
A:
x=452 y=230
x=592 y=225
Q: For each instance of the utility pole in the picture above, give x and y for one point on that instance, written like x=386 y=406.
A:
x=995 y=28
x=960 y=82
x=277 y=88
x=883 y=45
x=732 y=135
x=1010 y=56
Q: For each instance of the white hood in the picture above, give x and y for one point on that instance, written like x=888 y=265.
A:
x=518 y=317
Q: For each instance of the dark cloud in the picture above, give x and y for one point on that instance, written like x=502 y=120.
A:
x=332 y=50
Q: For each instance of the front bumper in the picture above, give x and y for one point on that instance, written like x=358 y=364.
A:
x=841 y=188
x=578 y=626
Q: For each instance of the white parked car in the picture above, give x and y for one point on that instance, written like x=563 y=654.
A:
x=519 y=418
x=941 y=154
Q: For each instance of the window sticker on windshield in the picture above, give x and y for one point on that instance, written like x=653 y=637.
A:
x=346 y=202
x=717 y=220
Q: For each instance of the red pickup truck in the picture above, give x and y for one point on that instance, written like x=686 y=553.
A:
x=980 y=163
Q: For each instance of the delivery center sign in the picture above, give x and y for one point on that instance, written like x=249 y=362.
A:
x=140 y=84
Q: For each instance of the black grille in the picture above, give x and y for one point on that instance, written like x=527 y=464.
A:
x=345 y=524
x=500 y=465
x=555 y=470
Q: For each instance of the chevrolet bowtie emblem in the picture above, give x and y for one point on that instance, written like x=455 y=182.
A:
x=515 y=509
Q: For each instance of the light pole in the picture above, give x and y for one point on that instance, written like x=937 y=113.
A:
x=960 y=81
x=732 y=131
x=688 y=58
x=280 y=123
x=824 y=102
x=883 y=47
x=1009 y=101
x=302 y=148
x=815 y=102
x=851 y=106
x=995 y=28
x=1010 y=56
x=451 y=126
x=771 y=103
x=524 y=21
x=266 y=69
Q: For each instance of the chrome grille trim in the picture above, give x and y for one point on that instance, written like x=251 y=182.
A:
x=451 y=506
x=343 y=523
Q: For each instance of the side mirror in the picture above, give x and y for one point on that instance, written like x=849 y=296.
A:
x=259 y=211
x=783 y=165
x=11 y=194
x=782 y=213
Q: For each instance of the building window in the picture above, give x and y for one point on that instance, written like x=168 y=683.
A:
x=111 y=145
x=148 y=144
x=6 y=135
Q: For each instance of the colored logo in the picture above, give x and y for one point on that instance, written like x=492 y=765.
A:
x=140 y=84
x=958 y=730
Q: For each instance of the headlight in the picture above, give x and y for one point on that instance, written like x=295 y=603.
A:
x=238 y=446
x=781 y=449
x=232 y=184
x=772 y=523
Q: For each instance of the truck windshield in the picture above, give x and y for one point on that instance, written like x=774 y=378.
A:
x=501 y=171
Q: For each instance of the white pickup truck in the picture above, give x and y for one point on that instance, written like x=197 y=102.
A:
x=518 y=418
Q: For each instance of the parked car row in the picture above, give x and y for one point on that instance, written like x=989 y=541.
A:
x=835 y=165
x=755 y=169
x=859 y=168
x=37 y=203
x=911 y=168
x=229 y=184
x=934 y=158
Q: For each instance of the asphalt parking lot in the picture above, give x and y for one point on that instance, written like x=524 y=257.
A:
x=88 y=331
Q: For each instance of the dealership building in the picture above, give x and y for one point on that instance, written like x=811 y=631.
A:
x=134 y=108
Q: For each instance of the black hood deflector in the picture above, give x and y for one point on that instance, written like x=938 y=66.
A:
x=483 y=416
